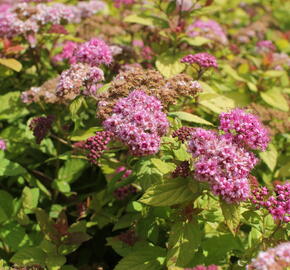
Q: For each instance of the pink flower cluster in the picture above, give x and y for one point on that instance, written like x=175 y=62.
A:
x=201 y=267
x=204 y=60
x=26 y=19
x=67 y=53
x=2 y=145
x=265 y=46
x=41 y=126
x=138 y=121
x=223 y=164
x=209 y=29
x=223 y=160
x=97 y=144
x=278 y=204
x=277 y=258
x=245 y=128
x=94 y=52
x=77 y=78
x=123 y=192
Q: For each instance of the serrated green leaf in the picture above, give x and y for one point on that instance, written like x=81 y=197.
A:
x=231 y=213
x=145 y=258
x=185 y=116
x=54 y=262
x=274 y=98
x=196 y=41
x=169 y=65
x=29 y=255
x=30 y=197
x=171 y=192
x=146 y=20
x=270 y=157
x=163 y=167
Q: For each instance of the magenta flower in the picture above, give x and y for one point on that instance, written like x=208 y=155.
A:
x=119 y=3
x=204 y=60
x=138 y=121
x=246 y=129
x=94 y=52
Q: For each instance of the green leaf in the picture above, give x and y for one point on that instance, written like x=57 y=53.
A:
x=75 y=106
x=146 y=20
x=47 y=226
x=82 y=135
x=218 y=103
x=231 y=72
x=145 y=258
x=196 y=41
x=30 y=197
x=285 y=170
x=171 y=192
x=29 y=255
x=185 y=116
x=13 y=235
x=6 y=203
x=11 y=63
x=11 y=106
x=184 y=239
x=270 y=157
x=147 y=173
x=71 y=170
x=163 y=167
x=274 y=73
x=9 y=168
x=55 y=262
x=231 y=213
x=169 y=65
x=274 y=98
x=61 y=186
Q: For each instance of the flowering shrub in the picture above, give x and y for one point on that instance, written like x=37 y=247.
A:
x=144 y=135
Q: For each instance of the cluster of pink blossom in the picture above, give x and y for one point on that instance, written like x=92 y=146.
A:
x=94 y=52
x=67 y=52
x=120 y=3
x=265 y=46
x=201 y=267
x=223 y=160
x=77 y=78
x=138 y=121
x=277 y=258
x=97 y=144
x=41 y=126
x=245 y=128
x=204 y=60
x=209 y=29
x=278 y=204
x=2 y=145
x=26 y=19
x=122 y=193
x=223 y=164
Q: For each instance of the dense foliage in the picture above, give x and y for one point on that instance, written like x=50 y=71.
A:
x=144 y=135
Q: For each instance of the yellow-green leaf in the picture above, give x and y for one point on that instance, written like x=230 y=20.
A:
x=185 y=116
x=270 y=157
x=276 y=99
x=11 y=63
x=169 y=65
